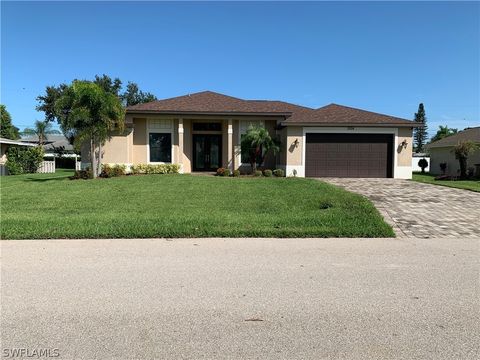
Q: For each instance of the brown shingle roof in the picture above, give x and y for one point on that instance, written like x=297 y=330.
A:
x=472 y=134
x=214 y=103
x=211 y=102
x=334 y=114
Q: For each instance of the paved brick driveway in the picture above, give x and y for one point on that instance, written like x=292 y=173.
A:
x=420 y=210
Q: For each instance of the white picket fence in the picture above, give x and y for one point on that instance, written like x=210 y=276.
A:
x=46 y=167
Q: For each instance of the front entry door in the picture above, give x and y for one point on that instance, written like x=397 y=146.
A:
x=207 y=152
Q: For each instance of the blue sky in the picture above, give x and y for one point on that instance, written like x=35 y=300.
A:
x=380 y=56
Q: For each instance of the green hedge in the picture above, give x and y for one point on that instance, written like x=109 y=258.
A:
x=155 y=169
x=23 y=159
x=113 y=171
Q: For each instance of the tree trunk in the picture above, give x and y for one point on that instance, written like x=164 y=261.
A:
x=99 y=163
x=463 y=167
x=93 y=159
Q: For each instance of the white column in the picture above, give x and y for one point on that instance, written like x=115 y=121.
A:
x=180 y=143
x=230 y=144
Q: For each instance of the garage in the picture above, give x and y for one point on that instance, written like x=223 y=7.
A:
x=348 y=155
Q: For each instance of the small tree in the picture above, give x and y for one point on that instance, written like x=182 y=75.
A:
x=462 y=150
x=420 y=133
x=423 y=163
x=130 y=96
x=7 y=130
x=256 y=144
x=88 y=113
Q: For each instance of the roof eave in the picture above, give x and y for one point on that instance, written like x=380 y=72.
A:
x=321 y=124
x=219 y=113
x=14 y=142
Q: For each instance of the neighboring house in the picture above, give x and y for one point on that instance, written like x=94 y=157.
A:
x=53 y=141
x=4 y=145
x=202 y=132
x=441 y=151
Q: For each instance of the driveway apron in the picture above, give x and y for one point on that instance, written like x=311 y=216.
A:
x=420 y=210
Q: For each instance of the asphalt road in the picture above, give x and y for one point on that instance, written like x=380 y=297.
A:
x=242 y=298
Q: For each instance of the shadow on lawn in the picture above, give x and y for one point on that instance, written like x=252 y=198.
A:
x=46 y=179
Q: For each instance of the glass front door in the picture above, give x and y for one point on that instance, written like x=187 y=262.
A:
x=207 y=152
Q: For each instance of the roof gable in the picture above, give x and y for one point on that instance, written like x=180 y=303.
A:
x=338 y=114
x=469 y=134
x=211 y=102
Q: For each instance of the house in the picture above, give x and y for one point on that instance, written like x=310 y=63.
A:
x=202 y=132
x=4 y=145
x=53 y=143
x=441 y=151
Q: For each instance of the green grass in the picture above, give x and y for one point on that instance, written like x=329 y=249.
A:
x=473 y=185
x=52 y=206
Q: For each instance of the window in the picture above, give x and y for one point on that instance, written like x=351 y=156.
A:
x=160 y=147
x=207 y=127
x=160 y=124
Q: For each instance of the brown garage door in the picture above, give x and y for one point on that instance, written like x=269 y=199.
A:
x=349 y=155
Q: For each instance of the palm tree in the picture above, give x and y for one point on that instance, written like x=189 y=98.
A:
x=443 y=131
x=88 y=113
x=42 y=129
x=256 y=144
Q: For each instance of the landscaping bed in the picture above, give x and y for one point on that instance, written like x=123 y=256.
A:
x=52 y=206
x=472 y=185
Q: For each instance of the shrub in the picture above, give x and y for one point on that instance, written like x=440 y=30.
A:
x=220 y=171
x=279 y=173
x=24 y=160
x=267 y=173
x=443 y=167
x=226 y=172
x=119 y=170
x=257 y=173
x=423 y=163
x=107 y=171
x=236 y=173
x=112 y=171
x=82 y=174
x=14 y=167
x=134 y=170
x=155 y=169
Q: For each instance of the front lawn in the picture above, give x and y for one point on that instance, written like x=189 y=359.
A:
x=473 y=185
x=52 y=206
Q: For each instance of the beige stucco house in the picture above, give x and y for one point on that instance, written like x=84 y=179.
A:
x=441 y=151
x=202 y=132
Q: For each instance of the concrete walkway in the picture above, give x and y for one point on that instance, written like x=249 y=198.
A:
x=420 y=210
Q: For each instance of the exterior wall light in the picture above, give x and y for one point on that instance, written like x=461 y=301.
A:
x=295 y=143
x=404 y=144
